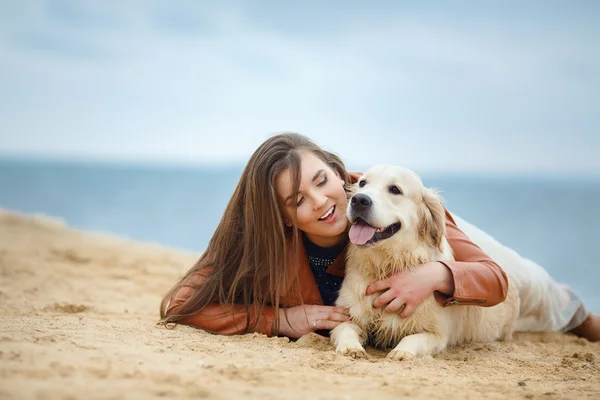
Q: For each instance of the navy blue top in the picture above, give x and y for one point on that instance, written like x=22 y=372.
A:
x=319 y=259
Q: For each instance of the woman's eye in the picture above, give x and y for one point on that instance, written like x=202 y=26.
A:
x=395 y=190
x=299 y=203
x=323 y=182
x=362 y=183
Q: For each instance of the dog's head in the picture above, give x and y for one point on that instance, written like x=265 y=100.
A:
x=391 y=205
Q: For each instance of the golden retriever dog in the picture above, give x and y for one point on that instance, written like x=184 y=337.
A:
x=398 y=224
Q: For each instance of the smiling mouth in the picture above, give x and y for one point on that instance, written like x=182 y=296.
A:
x=361 y=233
x=328 y=215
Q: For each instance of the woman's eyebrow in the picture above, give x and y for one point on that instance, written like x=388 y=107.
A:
x=319 y=172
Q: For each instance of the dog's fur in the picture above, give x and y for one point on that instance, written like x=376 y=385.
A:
x=421 y=239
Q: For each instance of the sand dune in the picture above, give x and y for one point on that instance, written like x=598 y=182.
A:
x=79 y=314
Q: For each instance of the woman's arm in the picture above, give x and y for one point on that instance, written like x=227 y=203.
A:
x=478 y=280
x=231 y=320
x=216 y=318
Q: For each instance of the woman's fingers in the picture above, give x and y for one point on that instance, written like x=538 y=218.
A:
x=396 y=305
x=378 y=286
x=326 y=324
x=408 y=311
x=342 y=310
x=384 y=299
x=334 y=314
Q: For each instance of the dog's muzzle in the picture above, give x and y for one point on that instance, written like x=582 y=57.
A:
x=362 y=232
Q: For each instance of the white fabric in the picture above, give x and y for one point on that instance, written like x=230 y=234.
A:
x=546 y=305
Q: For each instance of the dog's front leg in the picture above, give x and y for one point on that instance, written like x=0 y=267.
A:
x=418 y=344
x=348 y=339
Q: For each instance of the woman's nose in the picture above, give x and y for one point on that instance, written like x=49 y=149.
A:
x=320 y=201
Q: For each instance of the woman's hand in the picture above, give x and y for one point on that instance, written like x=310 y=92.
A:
x=408 y=289
x=309 y=318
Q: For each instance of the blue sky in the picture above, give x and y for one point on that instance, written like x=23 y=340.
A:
x=485 y=87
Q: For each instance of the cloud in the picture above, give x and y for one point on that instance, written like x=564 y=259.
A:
x=472 y=90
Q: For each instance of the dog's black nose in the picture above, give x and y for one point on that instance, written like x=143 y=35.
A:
x=361 y=201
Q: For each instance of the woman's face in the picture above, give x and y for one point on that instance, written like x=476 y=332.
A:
x=321 y=201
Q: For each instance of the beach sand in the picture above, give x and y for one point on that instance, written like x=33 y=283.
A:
x=78 y=320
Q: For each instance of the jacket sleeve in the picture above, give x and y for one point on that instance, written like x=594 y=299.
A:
x=221 y=319
x=478 y=280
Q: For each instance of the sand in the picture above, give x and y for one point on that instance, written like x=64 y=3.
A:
x=78 y=320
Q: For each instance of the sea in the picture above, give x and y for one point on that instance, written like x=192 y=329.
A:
x=554 y=221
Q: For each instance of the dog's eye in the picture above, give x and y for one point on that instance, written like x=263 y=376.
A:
x=395 y=190
x=362 y=183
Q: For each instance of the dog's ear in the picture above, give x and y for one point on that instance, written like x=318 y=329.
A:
x=432 y=219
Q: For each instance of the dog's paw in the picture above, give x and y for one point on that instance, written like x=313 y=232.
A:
x=353 y=352
x=400 y=355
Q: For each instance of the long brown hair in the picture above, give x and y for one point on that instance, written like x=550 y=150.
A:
x=246 y=259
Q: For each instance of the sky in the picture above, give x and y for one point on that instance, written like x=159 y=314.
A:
x=469 y=86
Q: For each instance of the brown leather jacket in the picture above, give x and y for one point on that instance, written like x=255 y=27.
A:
x=478 y=280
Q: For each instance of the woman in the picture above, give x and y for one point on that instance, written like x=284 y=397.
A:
x=276 y=259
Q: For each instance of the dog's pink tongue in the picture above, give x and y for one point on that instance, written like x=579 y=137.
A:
x=361 y=233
